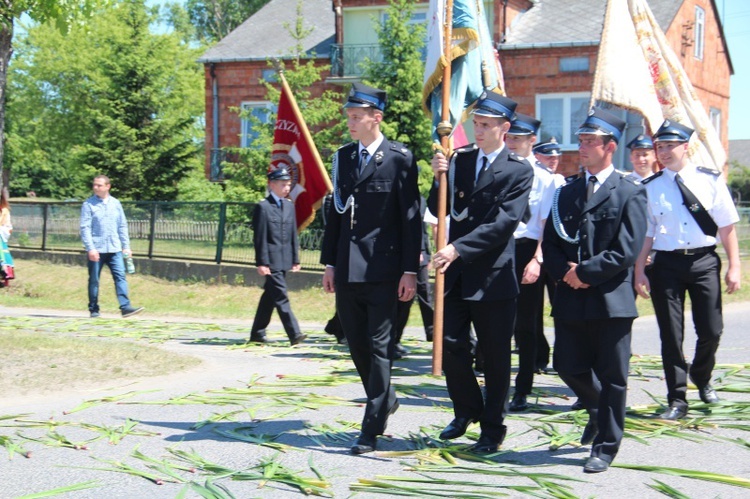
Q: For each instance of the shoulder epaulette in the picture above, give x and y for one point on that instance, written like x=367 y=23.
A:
x=515 y=157
x=348 y=144
x=399 y=147
x=652 y=177
x=571 y=178
x=708 y=170
x=468 y=148
x=630 y=179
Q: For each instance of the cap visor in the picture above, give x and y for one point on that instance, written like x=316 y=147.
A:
x=668 y=137
x=357 y=104
x=591 y=130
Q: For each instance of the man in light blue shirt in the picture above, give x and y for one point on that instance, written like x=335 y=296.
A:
x=104 y=232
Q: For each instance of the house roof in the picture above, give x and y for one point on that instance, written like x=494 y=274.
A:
x=739 y=151
x=571 y=22
x=263 y=35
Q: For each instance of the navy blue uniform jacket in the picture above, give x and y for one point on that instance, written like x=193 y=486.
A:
x=275 y=234
x=484 y=239
x=612 y=228
x=385 y=237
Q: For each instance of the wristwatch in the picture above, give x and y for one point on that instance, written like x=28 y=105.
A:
x=540 y=260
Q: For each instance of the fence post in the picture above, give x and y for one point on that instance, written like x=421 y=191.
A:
x=152 y=230
x=45 y=214
x=220 y=235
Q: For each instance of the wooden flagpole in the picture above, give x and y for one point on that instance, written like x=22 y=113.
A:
x=444 y=130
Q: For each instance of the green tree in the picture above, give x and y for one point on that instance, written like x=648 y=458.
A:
x=739 y=181
x=60 y=13
x=111 y=98
x=322 y=114
x=400 y=73
x=215 y=19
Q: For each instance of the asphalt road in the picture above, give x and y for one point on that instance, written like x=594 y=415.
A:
x=237 y=392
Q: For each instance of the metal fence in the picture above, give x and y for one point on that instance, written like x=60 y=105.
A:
x=212 y=232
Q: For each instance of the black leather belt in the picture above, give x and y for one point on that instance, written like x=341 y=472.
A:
x=691 y=251
x=526 y=240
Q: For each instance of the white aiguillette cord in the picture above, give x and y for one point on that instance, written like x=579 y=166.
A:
x=340 y=206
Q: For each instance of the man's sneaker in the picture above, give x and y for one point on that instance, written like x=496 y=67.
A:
x=94 y=315
x=130 y=311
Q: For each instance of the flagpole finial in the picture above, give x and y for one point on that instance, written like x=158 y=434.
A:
x=278 y=65
x=444 y=129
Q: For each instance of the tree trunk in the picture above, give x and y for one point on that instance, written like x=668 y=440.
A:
x=6 y=36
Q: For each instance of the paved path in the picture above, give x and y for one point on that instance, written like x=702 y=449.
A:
x=270 y=408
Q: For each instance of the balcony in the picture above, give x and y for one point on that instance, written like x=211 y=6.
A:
x=346 y=59
x=218 y=158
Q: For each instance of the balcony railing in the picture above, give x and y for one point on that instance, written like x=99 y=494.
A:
x=346 y=60
x=218 y=158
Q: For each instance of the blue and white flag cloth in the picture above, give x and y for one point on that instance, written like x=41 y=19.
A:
x=473 y=59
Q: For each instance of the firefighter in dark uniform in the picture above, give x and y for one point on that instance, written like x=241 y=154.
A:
x=276 y=253
x=488 y=190
x=591 y=241
x=687 y=205
x=529 y=330
x=371 y=250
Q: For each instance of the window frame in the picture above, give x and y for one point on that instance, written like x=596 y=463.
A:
x=699 y=31
x=714 y=116
x=245 y=128
x=568 y=141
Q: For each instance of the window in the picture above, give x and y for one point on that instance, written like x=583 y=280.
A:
x=714 y=115
x=700 y=26
x=572 y=64
x=561 y=115
x=260 y=111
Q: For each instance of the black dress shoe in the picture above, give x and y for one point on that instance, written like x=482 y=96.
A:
x=485 y=445
x=364 y=444
x=298 y=339
x=589 y=432
x=518 y=403
x=674 y=413
x=577 y=405
x=595 y=465
x=708 y=394
x=456 y=428
x=258 y=338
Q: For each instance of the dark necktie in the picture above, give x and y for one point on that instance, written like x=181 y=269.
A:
x=590 y=187
x=482 y=170
x=363 y=161
x=696 y=209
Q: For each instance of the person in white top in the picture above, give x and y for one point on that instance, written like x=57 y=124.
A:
x=548 y=155
x=687 y=205
x=529 y=330
x=643 y=158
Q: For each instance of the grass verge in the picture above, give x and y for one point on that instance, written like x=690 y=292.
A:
x=32 y=362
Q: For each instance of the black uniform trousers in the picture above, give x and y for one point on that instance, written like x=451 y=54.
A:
x=493 y=323
x=592 y=357
x=528 y=313
x=368 y=312
x=700 y=275
x=425 y=306
x=275 y=296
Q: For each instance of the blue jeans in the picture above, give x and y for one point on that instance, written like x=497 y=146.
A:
x=116 y=265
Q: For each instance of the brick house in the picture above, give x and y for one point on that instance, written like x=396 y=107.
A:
x=547 y=49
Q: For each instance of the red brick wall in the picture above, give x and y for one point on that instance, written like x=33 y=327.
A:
x=537 y=71
x=238 y=82
x=710 y=76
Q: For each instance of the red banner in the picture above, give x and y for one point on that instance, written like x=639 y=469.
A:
x=294 y=149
